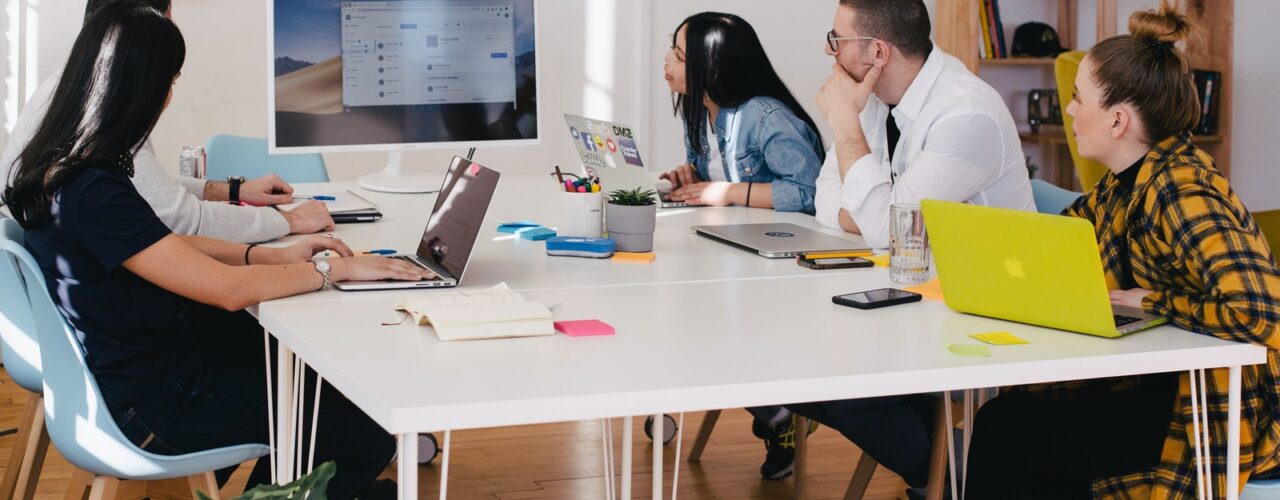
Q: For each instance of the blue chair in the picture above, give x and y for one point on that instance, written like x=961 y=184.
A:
x=231 y=155
x=1261 y=489
x=81 y=426
x=20 y=350
x=1051 y=199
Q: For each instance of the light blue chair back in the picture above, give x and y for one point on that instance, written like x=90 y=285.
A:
x=19 y=342
x=1051 y=199
x=231 y=155
x=77 y=418
x=1261 y=489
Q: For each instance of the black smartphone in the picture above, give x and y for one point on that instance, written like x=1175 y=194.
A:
x=874 y=299
x=835 y=263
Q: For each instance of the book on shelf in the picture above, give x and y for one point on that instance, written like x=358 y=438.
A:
x=992 y=44
x=984 y=40
x=998 y=23
x=1209 y=89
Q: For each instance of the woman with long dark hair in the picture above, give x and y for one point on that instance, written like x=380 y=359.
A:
x=179 y=363
x=769 y=148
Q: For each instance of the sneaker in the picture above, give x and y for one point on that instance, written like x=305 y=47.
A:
x=780 y=449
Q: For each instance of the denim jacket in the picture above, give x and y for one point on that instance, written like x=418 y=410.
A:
x=763 y=141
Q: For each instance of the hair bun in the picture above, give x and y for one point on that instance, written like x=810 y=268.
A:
x=1160 y=27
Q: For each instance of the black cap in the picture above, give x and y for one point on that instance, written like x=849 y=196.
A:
x=1036 y=40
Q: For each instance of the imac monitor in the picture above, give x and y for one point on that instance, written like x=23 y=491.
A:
x=392 y=75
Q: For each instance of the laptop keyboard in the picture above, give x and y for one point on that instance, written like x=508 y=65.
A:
x=1125 y=320
x=413 y=261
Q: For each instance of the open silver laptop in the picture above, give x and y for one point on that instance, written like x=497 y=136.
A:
x=780 y=241
x=610 y=152
x=451 y=230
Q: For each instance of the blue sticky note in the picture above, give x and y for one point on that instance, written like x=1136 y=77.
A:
x=515 y=227
x=537 y=234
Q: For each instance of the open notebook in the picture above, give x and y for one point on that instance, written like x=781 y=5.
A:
x=494 y=313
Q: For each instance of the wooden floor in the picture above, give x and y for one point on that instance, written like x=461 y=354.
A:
x=561 y=461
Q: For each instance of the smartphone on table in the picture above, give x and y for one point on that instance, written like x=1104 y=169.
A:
x=874 y=299
x=834 y=262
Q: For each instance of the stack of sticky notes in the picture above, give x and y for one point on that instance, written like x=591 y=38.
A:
x=516 y=227
x=633 y=257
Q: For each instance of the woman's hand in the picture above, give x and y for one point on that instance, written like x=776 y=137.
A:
x=683 y=175
x=1130 y=298
x=714 y=194
x=299 y=252
x=375 y=268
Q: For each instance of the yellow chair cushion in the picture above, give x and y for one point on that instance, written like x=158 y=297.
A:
x=1065 y=69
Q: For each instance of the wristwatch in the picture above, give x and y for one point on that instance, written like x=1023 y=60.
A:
x=322 y=267
x=234 y=194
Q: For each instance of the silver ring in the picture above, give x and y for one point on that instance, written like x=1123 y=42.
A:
x=328 y=236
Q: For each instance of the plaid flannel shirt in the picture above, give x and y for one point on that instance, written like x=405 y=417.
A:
x=1192 y=243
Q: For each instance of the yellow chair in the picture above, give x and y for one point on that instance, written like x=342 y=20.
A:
x=1065 y=69
x=1269 y=223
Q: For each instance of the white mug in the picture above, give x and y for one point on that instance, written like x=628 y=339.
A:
x=582 y=215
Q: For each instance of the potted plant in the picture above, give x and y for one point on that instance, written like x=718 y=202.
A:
x=630 y=217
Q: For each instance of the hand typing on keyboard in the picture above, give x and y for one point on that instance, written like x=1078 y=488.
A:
x=1131 y=298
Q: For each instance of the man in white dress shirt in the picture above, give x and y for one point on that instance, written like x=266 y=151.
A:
x=910 y=123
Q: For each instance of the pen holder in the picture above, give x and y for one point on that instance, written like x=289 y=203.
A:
x=582 y=215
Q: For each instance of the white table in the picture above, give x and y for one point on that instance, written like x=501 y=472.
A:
x=705 y=327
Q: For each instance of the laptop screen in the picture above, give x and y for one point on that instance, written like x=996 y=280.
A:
x=603 y=144
x=457 y=216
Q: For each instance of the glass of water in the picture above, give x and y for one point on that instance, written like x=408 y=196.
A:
x=908 y=245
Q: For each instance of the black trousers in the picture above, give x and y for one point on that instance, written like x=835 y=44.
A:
x=224 y=403
x=894 y=430
x=1027 y=446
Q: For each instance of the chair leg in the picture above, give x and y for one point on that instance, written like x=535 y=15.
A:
x=18 y=468
x=704 y=434
x=78 y=486
x=104 y=488
x=938 y=455
x=28 y=484
x=861 y=477
x=802 y=459
x=205 y=483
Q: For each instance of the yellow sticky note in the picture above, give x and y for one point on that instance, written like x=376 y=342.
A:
x=931 y=290
x=634 y=258
x=969 y=350
x=881 y=260
x=999 y=338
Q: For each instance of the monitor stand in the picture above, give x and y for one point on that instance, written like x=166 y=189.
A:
x=393 y=179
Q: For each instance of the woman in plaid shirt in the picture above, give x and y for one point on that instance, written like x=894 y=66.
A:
x=1176 y=241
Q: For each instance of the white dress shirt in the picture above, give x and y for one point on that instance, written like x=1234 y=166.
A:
x=177 y=201
x=958 y=143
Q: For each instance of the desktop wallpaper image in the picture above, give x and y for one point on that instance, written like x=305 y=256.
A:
x=308 y=73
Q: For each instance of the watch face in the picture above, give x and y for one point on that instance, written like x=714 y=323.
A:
x=322 y=265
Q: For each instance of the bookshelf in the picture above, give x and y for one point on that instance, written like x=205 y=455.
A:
x=958 y=32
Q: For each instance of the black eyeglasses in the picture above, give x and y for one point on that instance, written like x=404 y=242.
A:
x=833 y=41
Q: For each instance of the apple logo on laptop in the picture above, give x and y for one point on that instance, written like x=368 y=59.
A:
x=1015 y=269
x=779 y=234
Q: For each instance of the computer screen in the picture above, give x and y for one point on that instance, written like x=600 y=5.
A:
x=401 y=74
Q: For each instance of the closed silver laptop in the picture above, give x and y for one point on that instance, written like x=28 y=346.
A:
x=451 y=230
x=780 y=241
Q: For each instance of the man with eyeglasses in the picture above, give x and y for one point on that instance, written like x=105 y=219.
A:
x=910 y=123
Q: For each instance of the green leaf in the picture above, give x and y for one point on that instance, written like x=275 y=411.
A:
x=313 y=486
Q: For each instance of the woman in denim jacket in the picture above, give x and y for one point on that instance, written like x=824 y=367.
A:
x=769 y=150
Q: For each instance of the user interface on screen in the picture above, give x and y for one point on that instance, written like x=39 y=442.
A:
x=351 y=73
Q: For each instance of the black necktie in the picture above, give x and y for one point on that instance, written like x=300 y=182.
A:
x=891 y=126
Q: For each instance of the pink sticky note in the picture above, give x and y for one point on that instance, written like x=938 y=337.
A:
x=584 y=328
x=475 y=169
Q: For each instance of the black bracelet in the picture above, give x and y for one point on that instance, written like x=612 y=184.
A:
x=246 y=253
x=749 y=184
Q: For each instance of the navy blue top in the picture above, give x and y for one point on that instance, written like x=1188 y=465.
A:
x=136 y=335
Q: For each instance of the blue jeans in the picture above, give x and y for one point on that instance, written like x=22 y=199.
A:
x=223 y=402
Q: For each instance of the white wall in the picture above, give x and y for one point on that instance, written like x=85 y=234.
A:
x=1255 y=111
x=223 y=85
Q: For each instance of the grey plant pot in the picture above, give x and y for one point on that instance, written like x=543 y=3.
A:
x=630 y=227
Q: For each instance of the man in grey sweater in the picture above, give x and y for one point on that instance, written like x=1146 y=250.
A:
x=188 y=205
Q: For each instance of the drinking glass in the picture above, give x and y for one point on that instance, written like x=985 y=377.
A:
x=908 y=246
